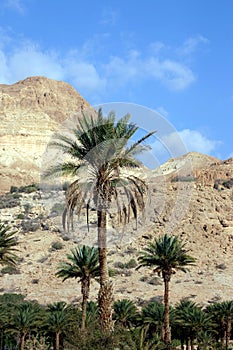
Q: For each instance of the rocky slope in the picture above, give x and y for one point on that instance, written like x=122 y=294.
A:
x=190 y=196
x=30 y=111
x=200 y=214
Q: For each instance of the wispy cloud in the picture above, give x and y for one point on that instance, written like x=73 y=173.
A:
x=15 y=5
x=109 y=17
x=178 y=143
x=192 y=44
x=19 y=59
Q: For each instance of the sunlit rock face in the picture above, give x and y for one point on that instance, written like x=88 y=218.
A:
x=31 y=110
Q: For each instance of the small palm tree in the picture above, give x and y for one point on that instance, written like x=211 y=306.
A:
x=84 y=264
x=25 y=319
x=125 y=313
x=100 y=147
x=222 y=314
x=7 y=245
x=152 y=319
x=193 y=320
x=59 y=318
x=166 y=255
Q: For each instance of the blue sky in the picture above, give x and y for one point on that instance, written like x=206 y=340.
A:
x=174 y=57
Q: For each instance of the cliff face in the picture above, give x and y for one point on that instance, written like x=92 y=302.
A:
x=30 y=111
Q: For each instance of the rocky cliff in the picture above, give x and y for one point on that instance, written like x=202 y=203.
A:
x=30 y=111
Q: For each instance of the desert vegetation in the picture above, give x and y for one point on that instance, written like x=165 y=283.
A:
x=26 y=324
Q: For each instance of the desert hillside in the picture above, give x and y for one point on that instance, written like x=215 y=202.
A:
x=30 y=111
x=190 y=196
x=200 y=214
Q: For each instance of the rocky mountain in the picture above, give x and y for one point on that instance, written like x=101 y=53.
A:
x=30 y=111
x=190 y=196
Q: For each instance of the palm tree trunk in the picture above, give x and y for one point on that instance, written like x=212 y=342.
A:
x=85 y=293
x=105 y=298
x=188 y=343
x=228 y=332
x=57 y=341
x=167 y=336
x=22 y=340
x=192 y=343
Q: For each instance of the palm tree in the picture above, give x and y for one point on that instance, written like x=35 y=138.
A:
x=193 y=320
x=8 y=302
x=166 y=255
x=152 y=319
x=125 y=313
x=222 y=313
x=58 y=321
x=183 y=330
x=7 y=245
x=100 y=147
x=84 y=264
x=25 y=319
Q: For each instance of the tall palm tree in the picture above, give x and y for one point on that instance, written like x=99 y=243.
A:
x=100 y=146
x=59 y=318
x=125 y=313
x=7 y=245
x=84 y=264
x=166 y=255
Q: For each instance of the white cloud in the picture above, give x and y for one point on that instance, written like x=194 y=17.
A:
x=20 y=59
x=171 y=73
x=178 y=143
x=83 y=74
x=30 y=60
x=195 y=141
x=191 y=45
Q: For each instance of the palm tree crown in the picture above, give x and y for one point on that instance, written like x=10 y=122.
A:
x=166 y=255
x=7 y=245
x=125 y=313
x=100 y=146
x=83 y=263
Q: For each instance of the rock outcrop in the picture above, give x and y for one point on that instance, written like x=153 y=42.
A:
x=30 y=111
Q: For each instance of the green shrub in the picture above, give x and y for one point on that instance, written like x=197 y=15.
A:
x=113 y=272
x=131 y=264
x=188 y=178
x=155 y=281
x=11 y=270
x=57 y=246
x=119 y=265
x=228 y=183
x=20 y=216
x=13 y=189
x=29 y=188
